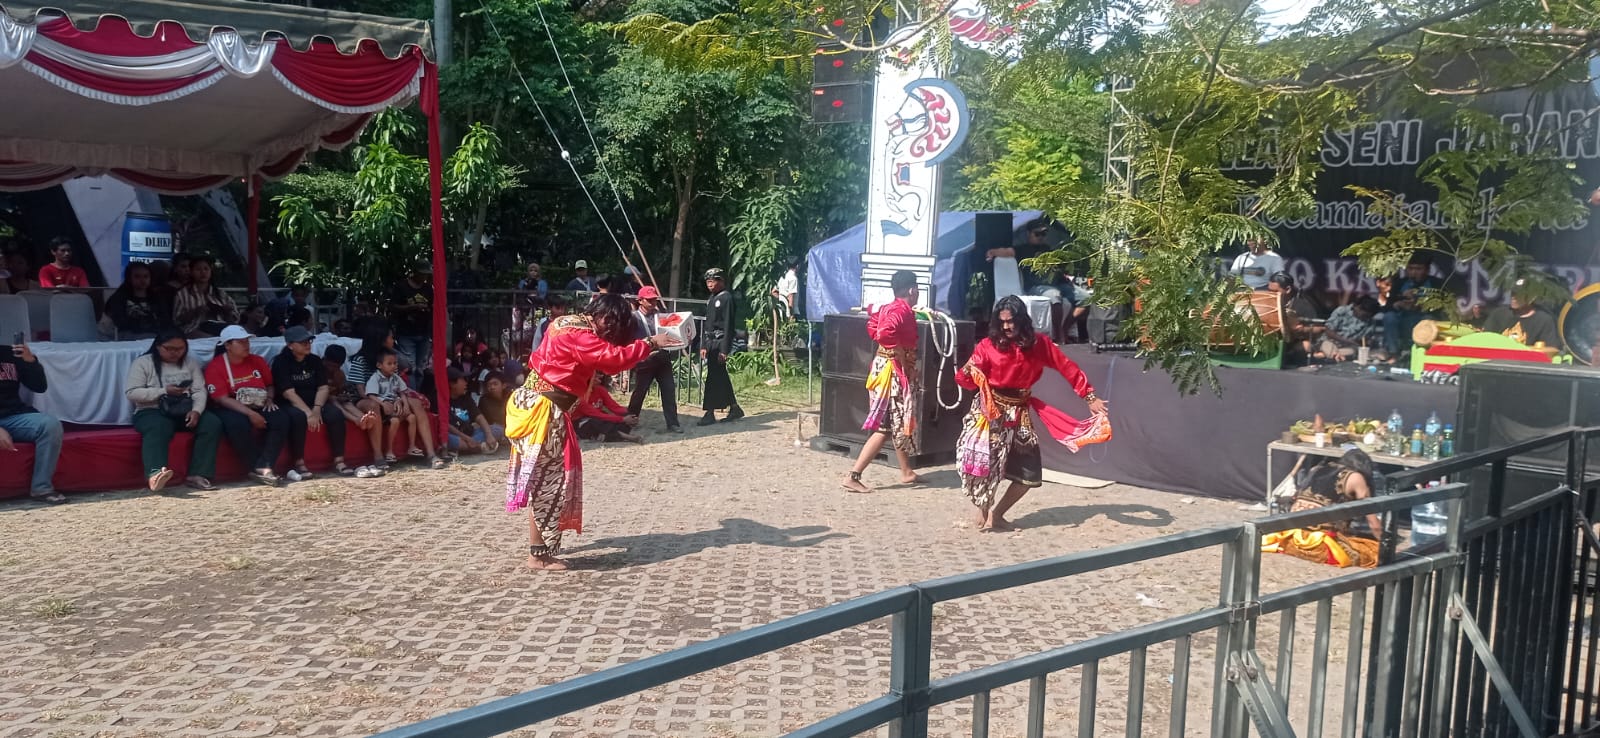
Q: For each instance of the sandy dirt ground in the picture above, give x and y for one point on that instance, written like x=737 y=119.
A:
x=344 y=607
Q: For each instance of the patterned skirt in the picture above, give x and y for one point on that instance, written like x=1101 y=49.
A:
x=546 y=473
x=892 y=403
x=991 y=451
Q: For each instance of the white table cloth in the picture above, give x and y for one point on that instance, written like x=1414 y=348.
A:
x=87 y=379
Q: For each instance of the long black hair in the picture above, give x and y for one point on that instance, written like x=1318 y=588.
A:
x=1359 y=462
x=374 y=336
x=1020 y=316
x=164 y=334
x=612 y=317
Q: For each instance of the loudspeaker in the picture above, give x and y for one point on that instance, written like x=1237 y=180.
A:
x=832 y=64
x=842 y=103
x=1501 y=403
x=847 y=357
x=991 y=231
x=1105 y=322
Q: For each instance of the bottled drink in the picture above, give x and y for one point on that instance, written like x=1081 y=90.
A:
x=1428 y=522
x=1430 y=436
x=1447 y=442
x=1393 y=440
x=1417 y=440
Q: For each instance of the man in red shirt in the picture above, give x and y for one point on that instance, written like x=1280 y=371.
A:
x=893 y=385
x=62 y=273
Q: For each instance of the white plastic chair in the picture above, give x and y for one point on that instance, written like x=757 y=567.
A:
x=38 y=310
x=72 y=319
x=14 y=319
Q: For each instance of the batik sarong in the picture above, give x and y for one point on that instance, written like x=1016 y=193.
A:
x=998 y=441
x=546 y=476
x=892 y=401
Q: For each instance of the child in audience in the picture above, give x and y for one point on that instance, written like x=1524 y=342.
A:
x=355 y=408
x=469 y=431
x=493 y=403
x=388 y=389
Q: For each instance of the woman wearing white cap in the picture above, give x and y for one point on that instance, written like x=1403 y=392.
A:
x=581 y=281
x=240 y=385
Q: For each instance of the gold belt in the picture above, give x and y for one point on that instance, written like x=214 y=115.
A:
x=1010 y=397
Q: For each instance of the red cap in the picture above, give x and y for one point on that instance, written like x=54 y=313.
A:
x=649 y=293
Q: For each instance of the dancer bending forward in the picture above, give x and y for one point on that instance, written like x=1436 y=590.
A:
x=998 y=441
x=546 y=476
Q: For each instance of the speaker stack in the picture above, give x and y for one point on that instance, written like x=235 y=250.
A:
x=841 y=87
x=1506 y=402
x=847 y=355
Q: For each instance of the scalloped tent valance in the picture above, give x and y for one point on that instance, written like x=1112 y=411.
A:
x=253 y=21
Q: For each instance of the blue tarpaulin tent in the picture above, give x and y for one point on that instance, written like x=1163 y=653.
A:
x=833 y=267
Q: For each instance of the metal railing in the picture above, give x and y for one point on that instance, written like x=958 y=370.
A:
x=1490 y=631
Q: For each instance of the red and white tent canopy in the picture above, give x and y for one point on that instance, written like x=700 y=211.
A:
x=180 y=105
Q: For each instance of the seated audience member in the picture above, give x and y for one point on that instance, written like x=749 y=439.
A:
x=61 y=272
x=168 y=392
x=389 y=391
x=493 y=403
x=255 y=321
x=241 y=387
x=558 y=308
x=281 y=308
x=200 y=308
x=1524 y=320
x=347 y=399
x=137 y=309
x=1256 y=265
x=20 y=423
x=470 y=354
x=1298 y=312
x=470 y=432
x=601 y=417
x=18 y=271
x=301 y=382
x=179 y=278
x=1405 y=306
x=1348 y=327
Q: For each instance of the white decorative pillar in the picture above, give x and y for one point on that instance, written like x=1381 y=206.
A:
x=918 y=121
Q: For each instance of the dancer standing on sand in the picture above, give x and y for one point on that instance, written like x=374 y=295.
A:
x=546 y=475
x=893 y=385
x=998 y=441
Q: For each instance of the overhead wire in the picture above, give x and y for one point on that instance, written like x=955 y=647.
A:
x=566 y=156
x=599 y=158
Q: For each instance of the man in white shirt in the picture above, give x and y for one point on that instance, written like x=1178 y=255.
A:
x=1257 y=265
x=788 y=286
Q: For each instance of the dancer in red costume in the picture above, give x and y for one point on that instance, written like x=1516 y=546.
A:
x=998 y=441
x=893 y=388
x=546 y=477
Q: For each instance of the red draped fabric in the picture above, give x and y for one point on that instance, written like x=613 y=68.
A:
x=441 y=327
x=169 y=183
x=114 y=37
x=366 y=79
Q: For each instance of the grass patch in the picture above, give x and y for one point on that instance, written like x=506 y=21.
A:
x=7 y=559
x=321 y=495
x=238 y=562
x=53 y=608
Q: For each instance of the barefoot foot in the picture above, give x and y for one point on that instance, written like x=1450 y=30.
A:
x=851 y=484
x=981 y=520
x=1001 y=525
x=547 y=562
x=910 y=478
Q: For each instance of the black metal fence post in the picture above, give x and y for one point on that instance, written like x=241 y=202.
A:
x=910 y=662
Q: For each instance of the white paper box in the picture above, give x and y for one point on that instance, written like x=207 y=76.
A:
x=683 y=332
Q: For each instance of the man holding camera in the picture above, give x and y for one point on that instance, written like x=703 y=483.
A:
x=20 y=423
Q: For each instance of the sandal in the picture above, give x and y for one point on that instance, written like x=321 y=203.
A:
x=390 y=459
x=53 y=498
x=158 y=480
x=267 y=478
x=200 y=483
x=416 y=453
x=439 y=463
x=342 y=469
x=303 y=471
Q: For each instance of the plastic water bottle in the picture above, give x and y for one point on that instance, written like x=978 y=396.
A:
x=1428 y=522
x=1447 y=442
x=1396 y=426
x=1430 y=433
x=1417 y=440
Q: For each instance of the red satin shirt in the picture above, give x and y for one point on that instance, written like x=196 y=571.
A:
x=1016 y=369
x=571 y=354
x=894 y=325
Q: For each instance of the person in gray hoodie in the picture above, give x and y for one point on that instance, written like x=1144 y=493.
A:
x=168 y=392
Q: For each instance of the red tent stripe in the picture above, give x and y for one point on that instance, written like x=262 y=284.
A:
x=357 y=80
x=114 y=37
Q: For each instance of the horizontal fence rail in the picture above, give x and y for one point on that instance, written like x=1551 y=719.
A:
x=1491 y=631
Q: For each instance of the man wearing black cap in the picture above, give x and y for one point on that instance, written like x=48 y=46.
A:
x=411 y=310
x=300 y=380
x=715 y=346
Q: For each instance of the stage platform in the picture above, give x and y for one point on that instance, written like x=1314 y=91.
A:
x=1212 y=446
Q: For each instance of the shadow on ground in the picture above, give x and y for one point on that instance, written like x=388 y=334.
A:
x=1072 y=516
x=651 y=548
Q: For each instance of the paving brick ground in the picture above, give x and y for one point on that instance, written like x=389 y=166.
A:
x=346 y=607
